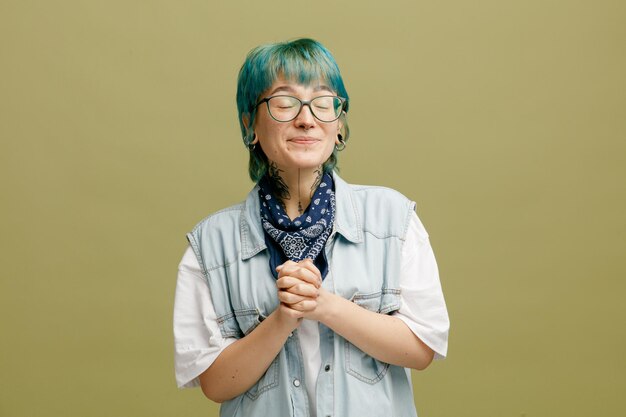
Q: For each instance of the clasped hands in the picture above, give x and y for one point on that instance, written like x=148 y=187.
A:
x=300 y=290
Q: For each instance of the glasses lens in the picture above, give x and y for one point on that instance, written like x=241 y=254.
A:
x=327 y=108
x=286 y=108
x=283 y=108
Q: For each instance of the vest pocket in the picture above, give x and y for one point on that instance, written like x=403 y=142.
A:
x=384 y=301
x=239 y=322
x=268 y=381
x=362 y=366
x=248 y=319
x=358 y=363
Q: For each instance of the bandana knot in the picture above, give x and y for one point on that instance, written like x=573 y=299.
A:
x=305 y=236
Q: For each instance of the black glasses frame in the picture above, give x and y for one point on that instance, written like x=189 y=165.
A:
x=302 y=104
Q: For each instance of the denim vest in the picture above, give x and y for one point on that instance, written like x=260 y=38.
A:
x=364 y=255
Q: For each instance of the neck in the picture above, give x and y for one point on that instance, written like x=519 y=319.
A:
x=294 y=187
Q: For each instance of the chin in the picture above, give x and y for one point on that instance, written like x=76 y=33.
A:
x=306 y=164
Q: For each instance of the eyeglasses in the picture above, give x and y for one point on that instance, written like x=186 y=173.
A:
x=286 y=108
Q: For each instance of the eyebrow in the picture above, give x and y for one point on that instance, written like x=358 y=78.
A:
x=288 y=89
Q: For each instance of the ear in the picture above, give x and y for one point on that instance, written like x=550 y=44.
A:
x=339 y=128
x=245 y=119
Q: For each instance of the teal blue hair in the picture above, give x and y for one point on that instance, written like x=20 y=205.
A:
x=303 y=60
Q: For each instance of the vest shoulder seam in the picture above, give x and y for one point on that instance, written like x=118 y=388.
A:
x=410 y=205
x=225 y=264
x=385 y=236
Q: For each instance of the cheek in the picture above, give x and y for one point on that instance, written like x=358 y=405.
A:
x=269 y=148
x=332 y=133
x=269 y=139
x=330 y=145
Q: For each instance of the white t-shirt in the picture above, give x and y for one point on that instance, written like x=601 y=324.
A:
x=198 y=340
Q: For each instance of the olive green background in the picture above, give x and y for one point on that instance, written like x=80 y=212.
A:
x=504 y=120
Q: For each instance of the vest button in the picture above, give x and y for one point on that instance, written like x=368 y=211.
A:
x=296 y=382
x=327 y=368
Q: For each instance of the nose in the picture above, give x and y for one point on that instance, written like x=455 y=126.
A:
x=305 y=118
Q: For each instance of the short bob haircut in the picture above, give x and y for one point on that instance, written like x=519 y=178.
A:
x=302 y=60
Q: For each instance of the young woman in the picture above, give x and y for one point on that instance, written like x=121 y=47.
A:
x=313 y=297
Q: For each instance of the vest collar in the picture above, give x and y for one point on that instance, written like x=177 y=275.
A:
x=346 y=216
x=346 y=219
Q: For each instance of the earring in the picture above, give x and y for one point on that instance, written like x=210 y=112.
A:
x=252 y=146
x=342 y=144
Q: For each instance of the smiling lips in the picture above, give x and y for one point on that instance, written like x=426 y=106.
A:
x=304 y=140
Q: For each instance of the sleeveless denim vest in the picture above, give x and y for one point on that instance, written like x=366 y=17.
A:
x=364 y=255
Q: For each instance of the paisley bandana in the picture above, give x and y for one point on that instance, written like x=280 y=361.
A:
x=306 y=235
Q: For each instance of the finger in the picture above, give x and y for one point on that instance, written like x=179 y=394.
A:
x=287 y=263
x=290 y=312
x=304 y=305
x=296 y=286
x=310 y=266
x=287 y=282
x=289 y=298
x=304 y=289
x=300 y=272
